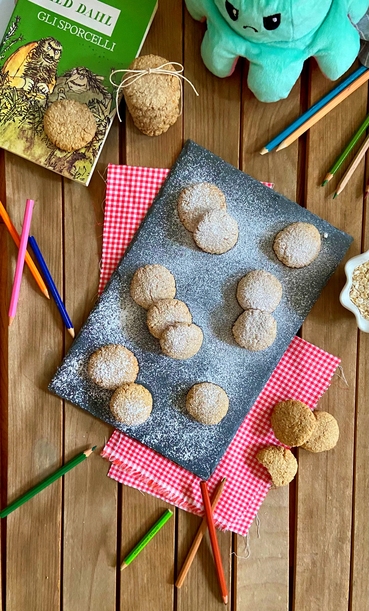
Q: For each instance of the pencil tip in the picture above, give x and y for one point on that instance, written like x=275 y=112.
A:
x=123 y=566
x=46 y=293
x=325 y=182
x=283 y=145
x=335 y=195
x=71 y=332
x=264 y=151
x=11 y=318
x=93 y=448
x=225 y=600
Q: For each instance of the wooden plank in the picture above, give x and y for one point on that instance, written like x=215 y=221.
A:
x=207 y=121
x=153 y=570
x=260 y=123
x=35 y=345
x=324 y=501
x=360 y=543
x=90 y=497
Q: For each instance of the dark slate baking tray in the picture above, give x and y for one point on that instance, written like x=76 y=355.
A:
x=207 y=283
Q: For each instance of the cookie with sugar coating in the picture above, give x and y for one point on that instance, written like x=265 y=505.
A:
x=297 y=245
x=216 y=232
x=151 y=283
x=255 y=330
x=112 y=365
x=164 y=313
x=181 y=340
x=207 y=403
x=131 y=404
x=197 y=199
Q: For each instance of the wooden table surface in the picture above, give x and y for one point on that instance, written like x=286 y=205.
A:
x=61 y=550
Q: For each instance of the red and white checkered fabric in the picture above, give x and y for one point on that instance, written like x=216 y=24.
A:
x=304 y=373
x=130 y=192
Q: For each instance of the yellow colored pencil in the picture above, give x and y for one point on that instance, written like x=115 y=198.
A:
x=324 y=111
x=352 y=167
x=29 y=261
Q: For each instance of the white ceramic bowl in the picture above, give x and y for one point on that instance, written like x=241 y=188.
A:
x=362 y=323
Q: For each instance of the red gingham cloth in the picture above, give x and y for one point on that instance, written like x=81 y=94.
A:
x=303 y=373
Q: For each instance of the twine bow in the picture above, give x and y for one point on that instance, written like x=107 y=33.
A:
x=134 y=75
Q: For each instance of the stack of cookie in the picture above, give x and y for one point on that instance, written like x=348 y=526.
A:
x=202 y=209
x=114 y=367
x=259 y=294
x=295 y=425
x=153 y=287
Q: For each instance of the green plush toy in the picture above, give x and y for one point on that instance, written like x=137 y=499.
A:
x=277 y=36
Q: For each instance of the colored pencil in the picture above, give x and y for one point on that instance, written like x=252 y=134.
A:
x=354 y=140
x=214 y=541
x=51 y=284
x=20 y=259
x=29 y=261
x=199 y=536
x=352 y=167
x=312 y=110
x=146 y=539
x=363 y=78
x=46 y=482
x=366 y=192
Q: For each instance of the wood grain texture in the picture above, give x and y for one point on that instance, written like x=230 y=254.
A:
x=90 y=497
x=261 y=122
x=35 y=343
x=324 y=501
x=360 y=543
x=153 y=569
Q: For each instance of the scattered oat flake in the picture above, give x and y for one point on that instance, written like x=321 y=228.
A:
x=359 y=292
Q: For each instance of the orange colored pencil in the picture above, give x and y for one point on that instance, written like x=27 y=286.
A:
x=29 y=261
x=324 y=111
x=199 y=536
x=214 y=541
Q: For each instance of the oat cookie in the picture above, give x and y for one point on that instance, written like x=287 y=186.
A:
x=259 y=290
x=164 y=313
x=197 y=199
x=153 y=100
x=297 y=245
x=216 y=233
x=207 y=402
x=152 y=283
x=280 y=462
x=255 y=330
x=181 y=340
x=325 y=435
x=131 y=404
x=69 y=125
x=112 y=365
x=292 y=422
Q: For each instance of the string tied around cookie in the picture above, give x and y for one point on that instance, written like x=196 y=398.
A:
x=134 y=75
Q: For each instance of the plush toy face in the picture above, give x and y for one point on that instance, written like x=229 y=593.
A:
x=273 y=20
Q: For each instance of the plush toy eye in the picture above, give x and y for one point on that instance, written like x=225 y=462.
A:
x=272 y=22
x=232 y=11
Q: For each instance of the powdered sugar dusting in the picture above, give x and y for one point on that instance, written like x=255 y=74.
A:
x=207 y=284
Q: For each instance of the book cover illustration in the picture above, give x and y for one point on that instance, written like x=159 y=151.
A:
x=67 y=51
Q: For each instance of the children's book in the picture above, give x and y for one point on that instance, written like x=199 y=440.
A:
x=65 y=49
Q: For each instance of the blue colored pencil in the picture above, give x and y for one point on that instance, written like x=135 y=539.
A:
x=312 y=110
x=51 y=284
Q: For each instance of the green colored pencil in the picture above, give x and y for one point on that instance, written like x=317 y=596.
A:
x=347 y=151
x=46 y=482
x=145 y=540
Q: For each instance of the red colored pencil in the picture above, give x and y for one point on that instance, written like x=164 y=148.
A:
x=214 y=541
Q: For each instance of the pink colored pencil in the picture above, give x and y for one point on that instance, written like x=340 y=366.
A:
x=20 y=260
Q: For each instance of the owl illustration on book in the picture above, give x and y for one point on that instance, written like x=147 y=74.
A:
x=33 y=66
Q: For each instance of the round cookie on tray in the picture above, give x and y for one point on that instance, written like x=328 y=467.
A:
x=216 y=232
x=297 y=245
x=195 y=200
x=181 y=340
x=112 y=365
x=207 y=403
x=255 y=330
x=131 y=404
x=164 y=313
x=259 y=290
x=152 y=283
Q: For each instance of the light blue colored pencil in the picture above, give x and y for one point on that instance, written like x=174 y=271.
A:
x=312 y=110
